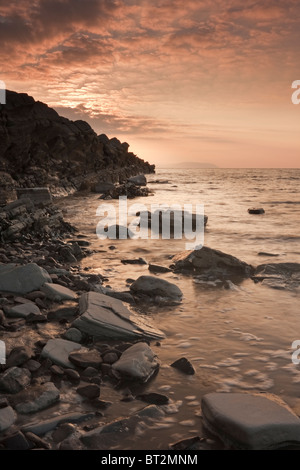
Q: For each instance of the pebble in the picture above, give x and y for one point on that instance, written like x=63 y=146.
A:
x=63 y=431
x=110 y=358
x=73 y=334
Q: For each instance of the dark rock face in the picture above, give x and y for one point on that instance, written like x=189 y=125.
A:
x=40 y=148
x=211 y=262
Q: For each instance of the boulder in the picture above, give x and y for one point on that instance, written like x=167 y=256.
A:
x=14 y=379
x=153 y=286
x=138 y=180
x=138 y=362
x=105 y=317
x=248 y=421
x=58 y=350
x=7 y=417
x=211 y=262
x=22 y=279
x=37 y=398
x=57 y=292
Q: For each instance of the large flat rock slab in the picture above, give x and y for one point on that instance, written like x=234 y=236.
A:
x=106 y=317
x=58 y=351
x=22 y=279
x=247 y=421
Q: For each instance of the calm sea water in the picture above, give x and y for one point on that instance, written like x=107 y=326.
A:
x=237 y=340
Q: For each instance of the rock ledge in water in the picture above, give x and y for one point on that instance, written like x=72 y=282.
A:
x=247 y=421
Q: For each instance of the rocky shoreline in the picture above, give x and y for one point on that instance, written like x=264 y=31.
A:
x=68 y=337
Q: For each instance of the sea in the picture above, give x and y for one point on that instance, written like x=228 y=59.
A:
x=238 y=339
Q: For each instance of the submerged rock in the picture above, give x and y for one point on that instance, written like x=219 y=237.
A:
x=22 y=279
x=106 y=317
x=137 y=362
x=153 y=286
x=211 y=263
x=259 y=210
x=247 y=421
x=278 y=275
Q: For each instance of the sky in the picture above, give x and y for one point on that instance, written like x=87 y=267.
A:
x=179 y=80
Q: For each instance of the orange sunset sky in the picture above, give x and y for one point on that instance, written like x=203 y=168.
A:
x=179 y=80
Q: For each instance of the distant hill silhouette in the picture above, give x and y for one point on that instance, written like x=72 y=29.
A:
x=188 y=165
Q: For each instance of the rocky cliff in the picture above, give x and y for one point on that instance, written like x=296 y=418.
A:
x=38 y=147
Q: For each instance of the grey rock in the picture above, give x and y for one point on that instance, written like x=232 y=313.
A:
x=153 y=286
x=58 y=351
x=106 y=317
x=37 y=398
x=57 y=292
x=14 y=379
x=138 y=362
x=22 y=310
x=7 y=418
x=22 y=279
x=247 y=421
x=73 y=334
